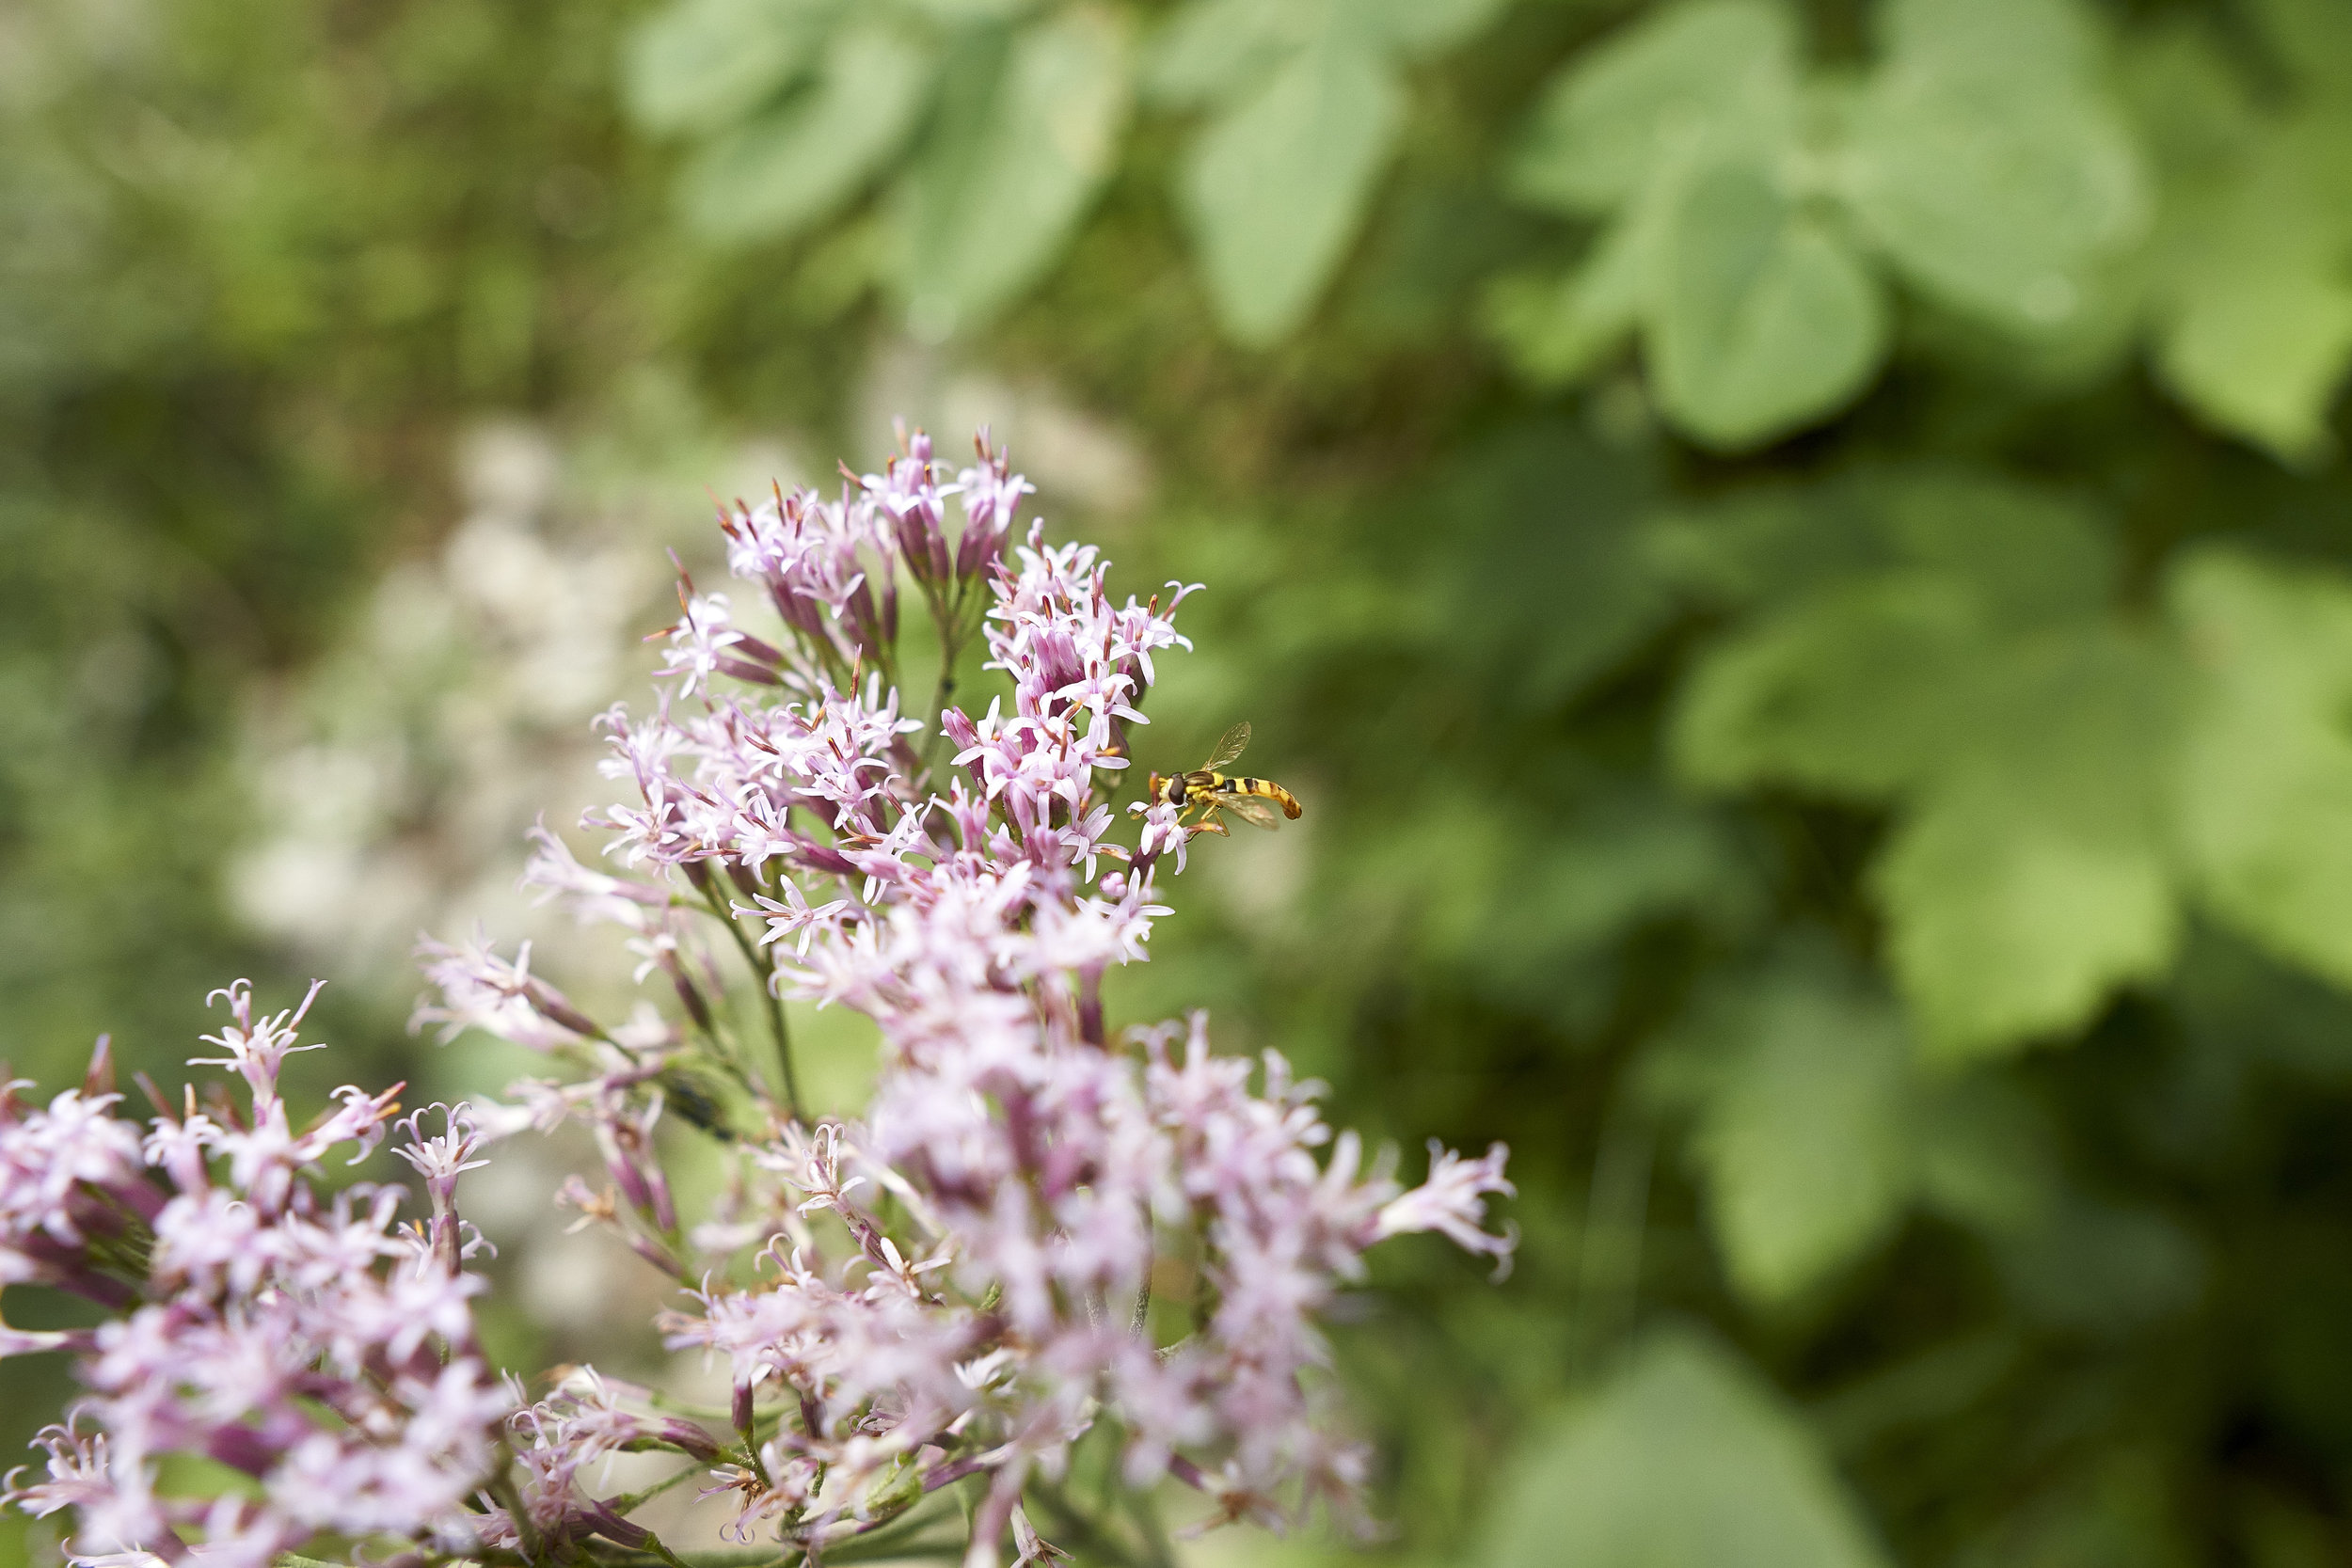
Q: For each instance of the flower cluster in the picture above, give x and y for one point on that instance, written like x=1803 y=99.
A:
x=1039 y=1228
x=303 y=1341
x=961 y=1281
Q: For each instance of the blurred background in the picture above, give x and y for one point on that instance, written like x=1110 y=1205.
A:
x=1794 y=552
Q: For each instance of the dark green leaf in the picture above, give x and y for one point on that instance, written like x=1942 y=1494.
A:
x=2098 y=1265
x=1987 y=1154
x=1803 y=1129
x=2116 y=1506
x=2310 y=39
x=1623 y=859
x=1845 y=694
x=1556 y=327
x=1975 y=681
x=1565 y=588
x=2024 y=555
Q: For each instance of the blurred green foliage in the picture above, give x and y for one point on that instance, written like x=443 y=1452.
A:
x=1796 y=554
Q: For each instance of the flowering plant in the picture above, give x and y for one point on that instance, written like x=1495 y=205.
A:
x=948 y=1292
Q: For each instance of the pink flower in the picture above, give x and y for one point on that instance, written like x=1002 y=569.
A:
x=1453 y=1203
x=953 y=1285
x=306 y=1343
x=482 y=991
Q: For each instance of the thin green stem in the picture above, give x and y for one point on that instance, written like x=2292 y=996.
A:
x=622 y=1504
x=893 y=1542
x=512 y=1500
x=951 y=653
x=1071 y=1523
x=725 y=1053
x=747 y=1428
x=765 y=972
x=1157 y=1549
x=763 y=1556
x=897 y=1538
x=1609 y=1265
x=894 y=1551
x=777 y=1028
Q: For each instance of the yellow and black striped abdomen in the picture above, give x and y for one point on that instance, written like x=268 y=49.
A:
x=1264 y=789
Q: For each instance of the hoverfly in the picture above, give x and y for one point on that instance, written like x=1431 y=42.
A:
x=1204 y=789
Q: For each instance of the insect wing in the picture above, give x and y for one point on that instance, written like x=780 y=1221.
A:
x=1237 y=741
x=1257 y=813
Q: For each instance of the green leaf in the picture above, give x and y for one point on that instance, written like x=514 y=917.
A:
x=1557 y=327
x=2195 y=113
x=964 y=13
x=2008 y=924
x=1214 y=48
x=1805 y=1132
x=1762 y=321
x=2259 y=350
x=2030 y=557
x=1012 y=158
x=1425 y=27
x=2255 y=288
x=1567 y=589
x=1962 y=665
x=1552 y=325
x=1987 y=1155
x=2026 y=556
x=2117 y=1502
x=2237 y=1003
x=1846 y=694
x=2265 y=783
x=1986 y=165
x=2037 y=41
x=794 y=164
x=2312 y=40
x=2033 y=876
x=1278 y=185
x=703 y=63
x=1715 y=75
x=1683 y=1459
x=1627 y=857
x=2089 y=1264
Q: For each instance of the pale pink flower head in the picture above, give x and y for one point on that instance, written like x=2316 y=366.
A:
x=307 y=1342
x=1038 y=1222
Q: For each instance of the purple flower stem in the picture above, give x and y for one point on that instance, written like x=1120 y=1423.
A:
x=947 y=1475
